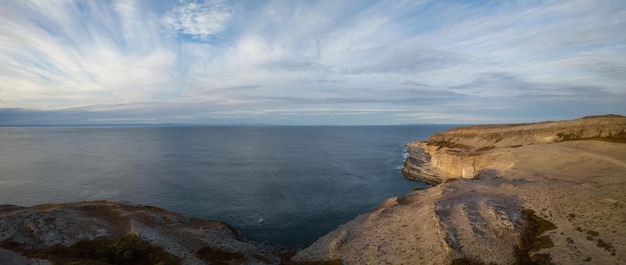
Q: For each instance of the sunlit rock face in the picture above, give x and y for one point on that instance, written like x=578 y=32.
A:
x=542 y=193
x=481 y=151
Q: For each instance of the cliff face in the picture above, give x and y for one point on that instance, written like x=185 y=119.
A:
x=467 y=151
x=86 y=232
x=509 y=194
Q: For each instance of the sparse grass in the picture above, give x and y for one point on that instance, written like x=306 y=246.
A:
x=619 y=137
x=606 y=246
x=442 y=144
x=404 y=200
x=218 y=256
x=469 y=261
x=325 y=262
x=542 y=242
x=128 y=250
x=485 y=148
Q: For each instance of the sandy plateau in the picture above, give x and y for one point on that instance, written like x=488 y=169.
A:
x=545 y=193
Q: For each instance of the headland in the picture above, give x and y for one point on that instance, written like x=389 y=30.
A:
x=542 y=193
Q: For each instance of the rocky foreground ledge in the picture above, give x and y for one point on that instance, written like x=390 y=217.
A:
x=544 y=193
x=102 y=232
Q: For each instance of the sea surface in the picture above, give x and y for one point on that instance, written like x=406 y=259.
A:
x=277 y=185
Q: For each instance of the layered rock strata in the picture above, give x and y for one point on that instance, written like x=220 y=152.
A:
x=466 y=151
x=547 y=193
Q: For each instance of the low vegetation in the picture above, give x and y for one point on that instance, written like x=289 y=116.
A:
x=442 y=144
x=128 y=250
x=219 y=256
x=531 y=239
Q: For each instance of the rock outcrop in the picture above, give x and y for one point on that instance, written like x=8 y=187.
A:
x=504 y=194
x=80 y=232
x=465 y=151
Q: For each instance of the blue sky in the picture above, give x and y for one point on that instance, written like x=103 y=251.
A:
x=310 y=62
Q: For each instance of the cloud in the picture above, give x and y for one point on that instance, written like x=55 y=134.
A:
x=294 y=66
x=199 y=20
x=413 y=83
x=276 y=61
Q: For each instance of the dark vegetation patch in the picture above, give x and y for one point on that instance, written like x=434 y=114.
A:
x=155 y=209
x=404 y=200
x=542 y=242
x=219 y=256
x=127 y=250
x=568 y=136
x=571 y=216
x=531 y=240
x=516 y=146
x=619 y=137
x=467 y=261
x=485 y=148
x=285 y=259
x=606 y=246
x=592 y=233
x=448 y=144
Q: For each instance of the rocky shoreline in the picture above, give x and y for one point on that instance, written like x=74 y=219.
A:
x=544 y=193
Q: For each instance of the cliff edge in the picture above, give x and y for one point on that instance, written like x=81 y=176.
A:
x=468 y=152
x=544 y=193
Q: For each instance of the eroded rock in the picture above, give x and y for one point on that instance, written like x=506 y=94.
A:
x=40 y=229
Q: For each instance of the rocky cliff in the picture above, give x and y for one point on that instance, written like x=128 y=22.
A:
x=102 y=232
x=545 y=193
x=466 y=151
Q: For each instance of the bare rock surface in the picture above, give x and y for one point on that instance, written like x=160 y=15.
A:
x=465 y=151
x=506 y=194
x=192 y=241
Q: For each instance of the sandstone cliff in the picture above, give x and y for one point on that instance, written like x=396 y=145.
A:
x=104 y=232
x=506 y=194
x=466 y=151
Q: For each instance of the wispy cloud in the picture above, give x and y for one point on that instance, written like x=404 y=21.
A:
x=199 y=20
x=275 y=61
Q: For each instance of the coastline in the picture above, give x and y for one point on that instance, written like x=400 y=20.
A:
x=540 y=193
x=544 y=193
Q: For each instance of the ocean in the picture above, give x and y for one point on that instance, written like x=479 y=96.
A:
x=282 y=186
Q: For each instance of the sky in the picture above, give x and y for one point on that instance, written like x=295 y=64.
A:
x=310 y=62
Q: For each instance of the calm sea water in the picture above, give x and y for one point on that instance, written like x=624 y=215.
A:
x=285 y=186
